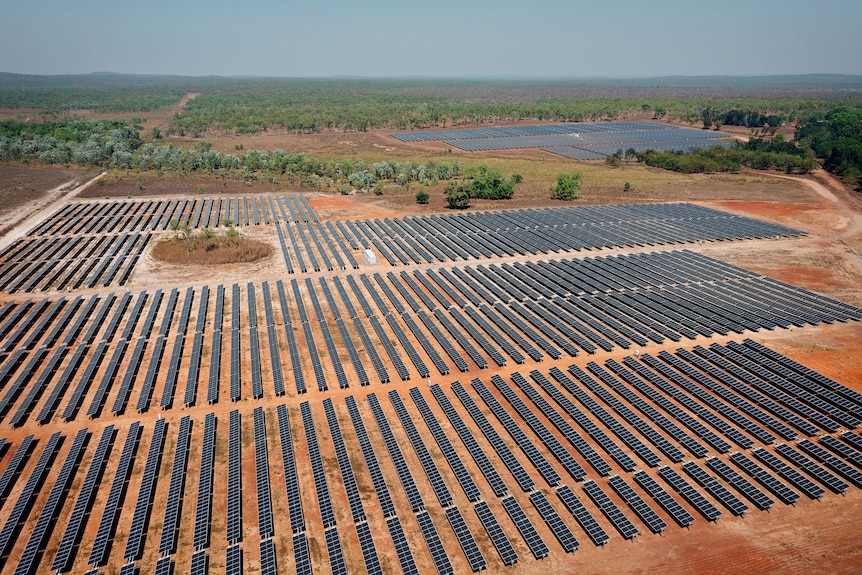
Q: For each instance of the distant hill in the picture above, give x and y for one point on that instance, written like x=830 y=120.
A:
x=118 y=80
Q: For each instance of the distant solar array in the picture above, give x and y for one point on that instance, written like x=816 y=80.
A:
x=574 y=140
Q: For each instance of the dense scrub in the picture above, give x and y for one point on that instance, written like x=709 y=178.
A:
x=719 y=159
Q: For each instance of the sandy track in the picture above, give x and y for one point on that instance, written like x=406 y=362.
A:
x=37 y=210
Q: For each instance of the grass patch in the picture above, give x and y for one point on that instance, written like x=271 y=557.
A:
x=212 y=251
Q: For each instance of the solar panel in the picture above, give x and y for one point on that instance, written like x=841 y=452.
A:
x=435 y=547
x=668 y=503
x=301 y=556
x=324 y=503
x=110 y=513
x=268 y=564
x=610 y=509
x=525 y=528
x=333 y=548
x=549 y=474
x=512 y=464
x=199 y=563
x=14 y=466
x=164 y=566
x=465 y=539
x=347 y=476
x=233 y=560
x=655 y=523
x=168 y=542
x=555 y=523
x=846 y=471
x=563 y=426
x=401 y=467
x=402 y=550
x=755 y=495
x=86 y=495
x=203 y=508
x=811 y=468
x=542 y=432
x=504 y=548
x=733 y=504
x=48 y=514
x=707 y=509
x=485 y=466
x=461 y=473
x=10 y=528
x=801 y=482
x=265 y=522
x=377 y=480
x=291 y=481
x=784 y=493
x=233 y=532
x=369 y=552
x=134 y=541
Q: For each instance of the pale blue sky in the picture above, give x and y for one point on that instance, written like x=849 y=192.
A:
x=549 y=38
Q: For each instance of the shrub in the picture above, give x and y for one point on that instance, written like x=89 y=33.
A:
x=458 y=196
x=422 y=197
x=568 y=187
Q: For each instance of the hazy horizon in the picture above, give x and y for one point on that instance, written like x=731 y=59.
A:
x=548 y=39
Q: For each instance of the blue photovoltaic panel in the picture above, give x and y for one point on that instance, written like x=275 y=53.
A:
x=134 y=541
x=465 y=539
x=291 y=480
x=86 y=495
x=110 y=513
x=168 y=542
x=501 y=542
x=432 y=540
x=203 y=508
x=233 y=531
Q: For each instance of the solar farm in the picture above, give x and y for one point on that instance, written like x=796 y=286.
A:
x=578 y=141
x=510 y=391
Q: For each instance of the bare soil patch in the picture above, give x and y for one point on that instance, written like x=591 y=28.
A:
x=210 y=252
x=132 y=185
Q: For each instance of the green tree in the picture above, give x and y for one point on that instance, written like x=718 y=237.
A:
x=458 y=196
x=568 y=187
x=422 y=197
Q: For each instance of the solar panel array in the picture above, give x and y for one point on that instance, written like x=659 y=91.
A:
x=170 y=527
x=291 y=480
x=265 y=522
x=233 y=531
x=110 y=512
x=84 y=500
x=59 y=356
x=134 y=542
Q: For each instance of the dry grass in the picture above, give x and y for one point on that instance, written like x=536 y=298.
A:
x=211 y=252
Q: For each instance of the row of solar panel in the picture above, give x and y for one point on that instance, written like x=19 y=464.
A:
x=86 y=218
x=601 y=140
x=544 y=129
x=591 y=488
x=825 y=412
x=453 y=243
x=58 y=264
